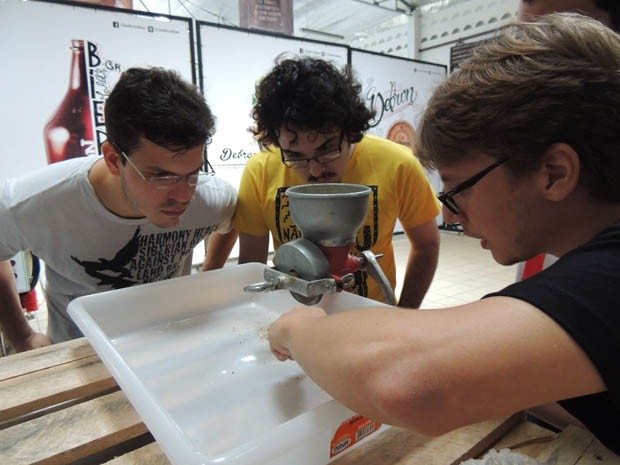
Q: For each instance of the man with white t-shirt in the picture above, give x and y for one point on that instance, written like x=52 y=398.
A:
x=130 y=217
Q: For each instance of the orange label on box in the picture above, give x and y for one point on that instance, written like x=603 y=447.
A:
x=351 y=431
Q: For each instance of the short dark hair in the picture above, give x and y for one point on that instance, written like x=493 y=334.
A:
x=159 y=105
x=555 y=80
x=309 y=94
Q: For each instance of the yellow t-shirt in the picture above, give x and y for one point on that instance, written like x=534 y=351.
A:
x=400 y=189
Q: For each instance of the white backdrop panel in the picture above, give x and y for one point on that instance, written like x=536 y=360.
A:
x=35 y=41
x=398 y=89
x=232 y=62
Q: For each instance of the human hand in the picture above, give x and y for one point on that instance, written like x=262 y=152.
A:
x=279 y=331
x=34 y=341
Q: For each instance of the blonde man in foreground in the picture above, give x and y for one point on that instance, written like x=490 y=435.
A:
x=526 y=139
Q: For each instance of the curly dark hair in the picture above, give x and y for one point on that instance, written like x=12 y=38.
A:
x=310 y=94
x=159 y=105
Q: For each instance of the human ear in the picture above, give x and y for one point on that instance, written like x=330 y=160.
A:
x=561 y=168
x=112 y=158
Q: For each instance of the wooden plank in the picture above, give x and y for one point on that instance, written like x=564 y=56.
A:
x=397 y=446
x=598 y=454
x=526 y=438
x=394 y=446
x=71 y=434
x=567 y=448
x=44 y=388
x=151 y=455
x=45 y=357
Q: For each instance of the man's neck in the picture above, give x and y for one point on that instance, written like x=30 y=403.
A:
x=582 y=222
x=108 y=189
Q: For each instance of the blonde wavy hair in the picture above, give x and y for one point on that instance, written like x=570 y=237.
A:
x=553 y=80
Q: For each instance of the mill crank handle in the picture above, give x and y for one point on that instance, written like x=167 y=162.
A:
x=371 y=266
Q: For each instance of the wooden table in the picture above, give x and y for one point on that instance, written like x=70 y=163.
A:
x=60 y=405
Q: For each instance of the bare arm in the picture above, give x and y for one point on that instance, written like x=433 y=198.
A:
x=12 y=319
x=434 y=371
x=421 y=264
x=253 y=248
x=218 y=249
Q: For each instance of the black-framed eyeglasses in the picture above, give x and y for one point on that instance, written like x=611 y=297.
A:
x=292 y=161
x=447 y=198
x=165 y=182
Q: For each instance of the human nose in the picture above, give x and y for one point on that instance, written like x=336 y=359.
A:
x=315 y=168
x=183 y=191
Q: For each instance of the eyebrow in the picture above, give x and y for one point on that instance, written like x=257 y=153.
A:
x=320 y=148
x=454 y=177
x=157 y=171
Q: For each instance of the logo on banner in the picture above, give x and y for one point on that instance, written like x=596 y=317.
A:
x=103 y=74
x=235 y=157
x=395 y=99
x=77 y=127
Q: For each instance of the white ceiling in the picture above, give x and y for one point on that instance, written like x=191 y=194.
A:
x=346 y=18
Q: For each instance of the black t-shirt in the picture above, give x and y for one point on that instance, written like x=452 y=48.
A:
x=581 y=292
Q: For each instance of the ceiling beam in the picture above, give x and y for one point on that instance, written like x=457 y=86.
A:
x=322 y=33
x=400 y=6
x=411 y=6
x=376 y=4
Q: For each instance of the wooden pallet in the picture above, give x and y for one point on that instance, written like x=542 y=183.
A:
x=60 y=405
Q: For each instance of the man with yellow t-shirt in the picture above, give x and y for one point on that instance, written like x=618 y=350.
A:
x=311 y=118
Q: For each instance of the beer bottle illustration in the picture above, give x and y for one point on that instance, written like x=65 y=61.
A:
x=69 y=132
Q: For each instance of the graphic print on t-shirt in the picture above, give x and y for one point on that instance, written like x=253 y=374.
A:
x=367 y=235
x=113 y=272
x=145 y=258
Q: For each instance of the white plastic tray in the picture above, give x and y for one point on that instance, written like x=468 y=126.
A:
x=192 y=357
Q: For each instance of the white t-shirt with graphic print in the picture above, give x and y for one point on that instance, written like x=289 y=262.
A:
x=55 y=213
